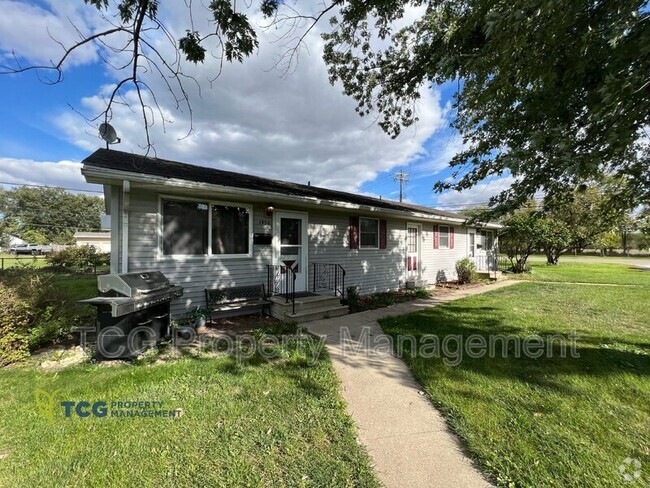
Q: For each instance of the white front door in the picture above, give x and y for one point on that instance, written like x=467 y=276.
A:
x=472 y=244
x=483 y=252
x=412 y=251
x=290 y=244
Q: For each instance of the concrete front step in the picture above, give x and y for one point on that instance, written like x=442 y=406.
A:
x=491 y=275
x=307 y=308
x=305 y=304
x=317 y=314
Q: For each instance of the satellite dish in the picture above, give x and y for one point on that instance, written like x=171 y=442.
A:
x=107 y=133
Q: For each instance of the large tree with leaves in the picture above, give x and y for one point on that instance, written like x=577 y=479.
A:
x=555 y=93
x=49 y=215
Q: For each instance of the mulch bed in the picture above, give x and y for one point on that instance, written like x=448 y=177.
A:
x=240 y=325
x=455 y=285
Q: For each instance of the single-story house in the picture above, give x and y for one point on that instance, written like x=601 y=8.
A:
x=101 y=241
x=206 y=228
x=14 y=240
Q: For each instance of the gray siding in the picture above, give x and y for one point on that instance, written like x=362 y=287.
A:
x=373 y=270
x=195 y=274
x=440 y=264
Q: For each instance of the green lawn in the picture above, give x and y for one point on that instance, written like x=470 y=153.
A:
x=549 y=421
x=278 y=423
x=77 y=287
x=619 y=274
x=10 y=261
x=592 y=258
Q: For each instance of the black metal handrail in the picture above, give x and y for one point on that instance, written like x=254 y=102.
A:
x=275 y=285
x=328 y=276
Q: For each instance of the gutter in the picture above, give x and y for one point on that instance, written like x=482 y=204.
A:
x=101 y=174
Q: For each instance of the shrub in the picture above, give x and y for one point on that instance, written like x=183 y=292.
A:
x=421 y=293
x=82 y=257
x=15 y=318
x=358 y=303
x=352 y=299
x=466 y=270
x=33 y=312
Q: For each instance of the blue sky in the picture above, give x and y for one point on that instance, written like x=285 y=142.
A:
x=253 y=120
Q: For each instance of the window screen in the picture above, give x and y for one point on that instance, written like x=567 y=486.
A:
x=230 y=230
x=369 y=232
x=185 y=227
x=443 y=238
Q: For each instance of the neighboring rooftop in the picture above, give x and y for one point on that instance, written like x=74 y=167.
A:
x=91 y=235
x=133 y=163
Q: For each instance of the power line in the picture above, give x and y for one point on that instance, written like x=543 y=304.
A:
x=48 y=186
x=61 y=226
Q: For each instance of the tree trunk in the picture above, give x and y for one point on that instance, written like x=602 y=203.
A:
x=552 y=256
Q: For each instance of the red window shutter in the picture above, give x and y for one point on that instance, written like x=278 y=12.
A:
x=354 y=232
x=415 y=263
x=451 y=237
x=382 y=234
x=408 y=264
x=436 y=236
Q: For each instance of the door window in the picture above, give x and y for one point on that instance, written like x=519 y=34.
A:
x=412 y=251
x=413 y=240
x=291 y=242
x=486 y=240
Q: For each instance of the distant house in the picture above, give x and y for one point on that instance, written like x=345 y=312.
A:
x=15 y=241
x=101 y=241
x=206 y=228
x=11 y=241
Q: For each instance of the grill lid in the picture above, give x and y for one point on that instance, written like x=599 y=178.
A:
x=133 y=284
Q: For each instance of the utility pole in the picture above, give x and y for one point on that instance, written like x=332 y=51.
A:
x=403 y=178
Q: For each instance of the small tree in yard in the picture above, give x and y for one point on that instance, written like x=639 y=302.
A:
x=625 y=226
x=576 y=219
x=465 y=270
x=607 y=242
x=554 y=237
x=520 y=237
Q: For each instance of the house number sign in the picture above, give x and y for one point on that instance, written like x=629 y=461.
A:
x=265 y=223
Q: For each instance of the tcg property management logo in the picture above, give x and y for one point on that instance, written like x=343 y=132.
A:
x=50 y=406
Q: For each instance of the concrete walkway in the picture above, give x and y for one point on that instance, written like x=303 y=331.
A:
x=407 y=438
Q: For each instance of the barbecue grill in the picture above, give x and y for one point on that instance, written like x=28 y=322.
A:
x=132 y=312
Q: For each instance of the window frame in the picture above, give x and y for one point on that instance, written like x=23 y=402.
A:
x=484 y=237
x=365 y=247
x=209 y=202
x=447 y=233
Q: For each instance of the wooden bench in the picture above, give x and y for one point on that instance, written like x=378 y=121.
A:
x=236 y=300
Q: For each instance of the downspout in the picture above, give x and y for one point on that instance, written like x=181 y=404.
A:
x=115 y=229
x=126 y=188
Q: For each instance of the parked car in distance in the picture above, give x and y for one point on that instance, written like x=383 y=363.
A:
x=33 y=249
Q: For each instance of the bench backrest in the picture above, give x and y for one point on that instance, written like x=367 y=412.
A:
x=233 y=294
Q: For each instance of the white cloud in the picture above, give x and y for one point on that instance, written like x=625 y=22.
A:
x=33 y=33
x=253 y=120
x=477 y=195
x=439 y=154
x=297 y=128
x=66 y=174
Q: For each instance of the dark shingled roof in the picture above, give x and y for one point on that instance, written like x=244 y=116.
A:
x=123 y=161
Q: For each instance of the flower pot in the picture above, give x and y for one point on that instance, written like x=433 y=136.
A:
x=200 y=324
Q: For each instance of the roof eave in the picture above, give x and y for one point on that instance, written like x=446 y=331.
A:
x=104 y=176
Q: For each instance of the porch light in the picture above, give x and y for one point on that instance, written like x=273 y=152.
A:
x=269 y=209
